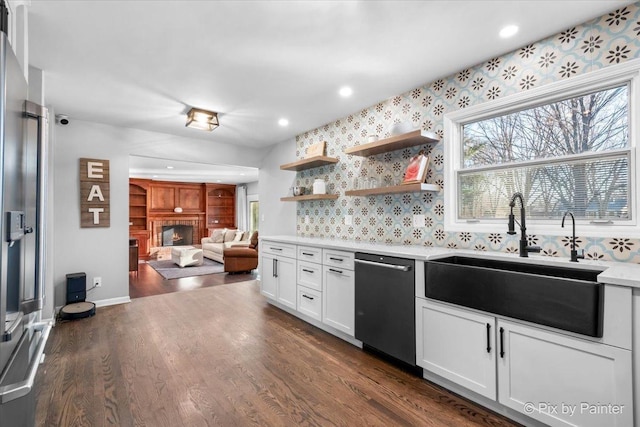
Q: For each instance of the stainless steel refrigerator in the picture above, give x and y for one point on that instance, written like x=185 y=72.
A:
x=22 y=191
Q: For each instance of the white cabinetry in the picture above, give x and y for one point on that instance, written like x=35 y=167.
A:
x=338 y=289
x=310 y=302
x=457 y=345
x=555 y=378
x=278 y=273
x=562 y=380
x=268 y=280
x=309 y=279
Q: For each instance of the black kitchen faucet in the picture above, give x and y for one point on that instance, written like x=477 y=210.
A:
x=525 y=248
x=574 y=252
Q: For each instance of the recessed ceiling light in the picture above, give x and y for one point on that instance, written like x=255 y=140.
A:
x=218 y=180
x=283 y=122
x=169 y=167
x=345 y=91
x=241 y=174
x=154 y=176
x=508 y=31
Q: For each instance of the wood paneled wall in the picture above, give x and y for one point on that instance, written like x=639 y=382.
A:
x=199 y=202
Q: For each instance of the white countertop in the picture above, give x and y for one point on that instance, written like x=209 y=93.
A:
x=615 y=273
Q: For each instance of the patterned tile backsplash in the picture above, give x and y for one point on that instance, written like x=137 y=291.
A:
x=611 y=39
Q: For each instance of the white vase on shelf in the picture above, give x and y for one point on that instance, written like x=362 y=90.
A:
x=319 y=186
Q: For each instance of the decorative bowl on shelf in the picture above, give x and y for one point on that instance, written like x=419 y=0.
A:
x=400 y=128
x=298 y=191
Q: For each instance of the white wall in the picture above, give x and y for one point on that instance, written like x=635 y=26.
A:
x=252 y=188
x=277 y=217
x=96 y=251
x=104 y=251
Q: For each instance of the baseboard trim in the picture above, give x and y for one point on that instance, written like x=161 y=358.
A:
x=316 y=323
x=112 y=301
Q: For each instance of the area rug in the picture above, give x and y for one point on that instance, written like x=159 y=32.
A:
x=169 y=270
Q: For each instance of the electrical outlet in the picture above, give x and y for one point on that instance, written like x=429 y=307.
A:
x=307 y=220
x=348 y=220
x=97 y=282
x=418 y=220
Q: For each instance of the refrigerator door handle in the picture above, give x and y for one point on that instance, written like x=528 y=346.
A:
x=22 y=388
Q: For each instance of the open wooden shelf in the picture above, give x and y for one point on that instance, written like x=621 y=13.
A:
x=397 y=142
x=309 y=197
x=311 y=162
x=408 y=188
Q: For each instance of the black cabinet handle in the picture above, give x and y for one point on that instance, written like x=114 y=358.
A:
x=307 y=254
x=275 y=249
x=336 y=259
x=502 y=343
x=488 y=338
x=307 y=271
x=335 y=271
x=307 y=297
x=275 y=269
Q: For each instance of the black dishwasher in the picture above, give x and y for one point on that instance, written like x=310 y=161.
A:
x=385 y=305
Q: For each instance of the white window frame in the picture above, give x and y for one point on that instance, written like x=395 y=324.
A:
x=626 y=73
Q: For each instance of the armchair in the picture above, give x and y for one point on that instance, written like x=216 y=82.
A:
x=241 y=259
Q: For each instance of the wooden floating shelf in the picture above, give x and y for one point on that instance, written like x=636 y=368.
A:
x=408 y=188
x=311 y=162
x=398 y=142
x=309 y=197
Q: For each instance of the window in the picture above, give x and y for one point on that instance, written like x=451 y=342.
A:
x=566 y=147
x=254 y=213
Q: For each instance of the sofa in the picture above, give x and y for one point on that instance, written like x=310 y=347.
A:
x=242 y=259
x=213 y=246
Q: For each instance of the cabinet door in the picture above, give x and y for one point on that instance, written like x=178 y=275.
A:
x=562 y=380
x=338 y=293
x=458 y=345
x=286 y=276
x=268 y=280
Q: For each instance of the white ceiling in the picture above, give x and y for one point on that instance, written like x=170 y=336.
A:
x=143 y=64
x=158 y=170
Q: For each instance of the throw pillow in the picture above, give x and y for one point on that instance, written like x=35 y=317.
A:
x=238 y=236
x=217 y=235
x=229 y=235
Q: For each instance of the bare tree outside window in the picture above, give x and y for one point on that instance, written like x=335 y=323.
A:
x=571 y=154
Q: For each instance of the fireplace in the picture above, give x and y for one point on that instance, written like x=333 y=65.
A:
x=180 y=224
x=177 y=235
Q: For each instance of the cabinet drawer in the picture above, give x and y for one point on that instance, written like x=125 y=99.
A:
x=282 y=249
x=338 y=259
x=310 y=302
x=310 y=254
x=310 y=275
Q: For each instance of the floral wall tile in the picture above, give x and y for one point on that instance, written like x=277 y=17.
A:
x=611 y=39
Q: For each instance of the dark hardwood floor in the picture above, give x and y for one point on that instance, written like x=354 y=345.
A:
x=147 y=282
x=221 y=355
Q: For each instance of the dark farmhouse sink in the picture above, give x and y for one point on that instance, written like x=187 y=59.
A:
x=564 y=298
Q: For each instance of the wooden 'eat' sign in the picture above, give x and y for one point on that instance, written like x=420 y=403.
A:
x=94 y=193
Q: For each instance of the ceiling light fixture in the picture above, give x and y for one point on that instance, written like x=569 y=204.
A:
x=345 y=91
x=283 y=122
x=202 y=119
x=508 y=31
x=169 y=167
